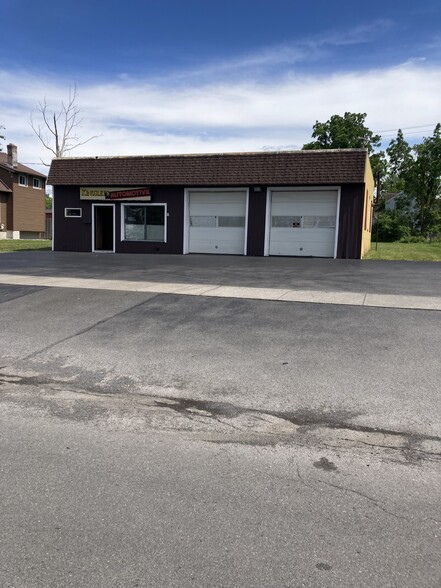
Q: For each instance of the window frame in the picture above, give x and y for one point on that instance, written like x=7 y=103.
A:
x=39 y=183
x=26 y=180
x=73 y=215
x=144 y=205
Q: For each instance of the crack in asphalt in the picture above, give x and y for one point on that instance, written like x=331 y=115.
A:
x=372 y=500
x=306 y=420
x=78 y=333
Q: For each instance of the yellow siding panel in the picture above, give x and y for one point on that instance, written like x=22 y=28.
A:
x=369 y=183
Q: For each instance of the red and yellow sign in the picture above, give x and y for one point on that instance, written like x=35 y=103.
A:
x=107 y=193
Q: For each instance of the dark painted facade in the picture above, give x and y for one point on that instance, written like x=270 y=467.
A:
x=75 y=234
x=169 y=178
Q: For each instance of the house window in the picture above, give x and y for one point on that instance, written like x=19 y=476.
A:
x=22 y=180
x=144 y=222
x=73 y=212
x=37 y=183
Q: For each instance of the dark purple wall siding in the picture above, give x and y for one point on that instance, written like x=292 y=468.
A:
x=256 y=222
x=350 y=222
x=71 y=234
x=75 y=234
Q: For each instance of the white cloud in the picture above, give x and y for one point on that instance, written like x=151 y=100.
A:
x=142 y=118
x=261 y=62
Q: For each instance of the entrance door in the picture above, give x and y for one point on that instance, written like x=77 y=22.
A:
x=103 y=228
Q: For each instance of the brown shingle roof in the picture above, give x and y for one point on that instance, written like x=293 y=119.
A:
x=339 y=166
x=23 y=169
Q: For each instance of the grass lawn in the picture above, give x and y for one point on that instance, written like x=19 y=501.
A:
x=9 y=245
x=406 y=251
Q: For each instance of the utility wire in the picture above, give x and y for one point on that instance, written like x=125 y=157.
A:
x=411 y=133
x=433 y=125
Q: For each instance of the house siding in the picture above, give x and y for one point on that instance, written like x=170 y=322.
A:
x=6 y=213
x=28 y=208
x=368 y=209
x=75 y=234
x=256 y=222
x=71 y=234
x=350 y=221
x=4 y=198
x=25 y=206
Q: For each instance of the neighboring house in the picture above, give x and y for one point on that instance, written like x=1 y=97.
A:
x=390 y=200
x=22 y=198
x=295 y=203
x=48 y=232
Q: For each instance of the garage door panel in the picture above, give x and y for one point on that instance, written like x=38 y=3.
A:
x=300 y=248
x=217 y=222
x=303 y=223
x=302 y=197
x=303 y=242
x=304 y=208
x=228 y=242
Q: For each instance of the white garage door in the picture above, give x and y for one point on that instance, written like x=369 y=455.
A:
x=217 y=222
x=303 y=223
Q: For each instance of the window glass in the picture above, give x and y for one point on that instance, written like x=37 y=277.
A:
x=73 y=212
x=37 y=183
x=144 y=223
x=292 y=222
x=203 y=221
x=231 y=221
x=304 y=222
x=23 y=180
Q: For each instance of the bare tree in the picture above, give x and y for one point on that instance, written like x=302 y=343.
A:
x=57 y=131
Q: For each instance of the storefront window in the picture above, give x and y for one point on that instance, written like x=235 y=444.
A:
x=144 y=222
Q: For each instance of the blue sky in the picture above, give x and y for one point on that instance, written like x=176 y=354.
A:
x=168 y=76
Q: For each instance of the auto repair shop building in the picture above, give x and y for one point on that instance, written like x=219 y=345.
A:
x=295 y=203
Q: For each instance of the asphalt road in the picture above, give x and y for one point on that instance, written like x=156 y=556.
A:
x=160 y=440
x=85 y=504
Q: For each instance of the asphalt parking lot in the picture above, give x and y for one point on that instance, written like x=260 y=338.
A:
x=165 y=439
x=377 y=366
x=348 y=275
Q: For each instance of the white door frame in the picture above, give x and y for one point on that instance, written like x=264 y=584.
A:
x=269 y=192
x=112 y=204
x=187 y=191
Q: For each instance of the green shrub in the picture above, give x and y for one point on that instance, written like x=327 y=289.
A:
x=413 y=239
x=391 y=227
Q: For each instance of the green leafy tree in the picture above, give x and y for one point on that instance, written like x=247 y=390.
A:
x=343 y=132
x=348 y=132
x=48 y=201
x=399 y=155
x=422 y=182
x=379 y=164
